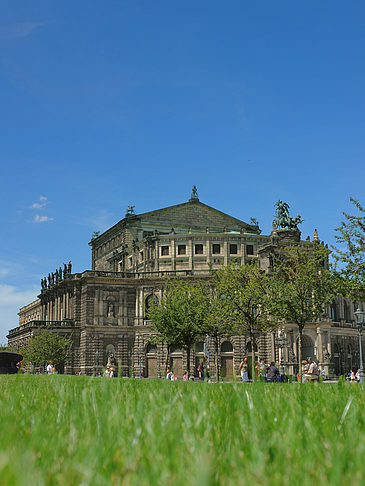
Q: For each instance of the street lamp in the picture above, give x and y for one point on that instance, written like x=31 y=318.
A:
x=97 y=362
x=282 y=342
x=359 y=316
x=140 y=348
x=158 y=363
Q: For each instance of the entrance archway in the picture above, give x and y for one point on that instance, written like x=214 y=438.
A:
x=226 y=360
x=151 y=361
x=307 y=347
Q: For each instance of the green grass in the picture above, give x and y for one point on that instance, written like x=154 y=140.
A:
x=60 y=430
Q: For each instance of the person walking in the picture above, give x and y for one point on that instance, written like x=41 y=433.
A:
x=50 y=368
x=243 y=369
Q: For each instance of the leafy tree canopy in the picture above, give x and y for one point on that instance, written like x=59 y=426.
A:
x=243 y=292
x=47 y=346
x=179 y=316
x=301 y=286
x=350 y=253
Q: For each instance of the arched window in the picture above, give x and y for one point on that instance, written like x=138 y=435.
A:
x=110 y=349
x=150 y=299
x=175 y=349
x=249 y=347
x=151 y=348
x=226 y=347
x=199 y=347
x=333 y=310
x=346 y=311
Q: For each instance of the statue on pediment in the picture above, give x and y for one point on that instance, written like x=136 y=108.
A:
x=194 y=194
x=283 y=218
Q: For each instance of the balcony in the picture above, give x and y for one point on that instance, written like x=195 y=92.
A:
x=42 y=324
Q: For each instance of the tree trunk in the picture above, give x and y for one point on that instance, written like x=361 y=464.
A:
x=167 y=359
x=188 y=360
x=216 y=358
x=253 y=355
x=300 y=354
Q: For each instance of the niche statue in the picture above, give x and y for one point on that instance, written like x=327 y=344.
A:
x=110 y=309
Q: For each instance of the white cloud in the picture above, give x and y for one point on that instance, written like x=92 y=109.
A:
x=22 y=29
x=42 y=219
x=4 y=271
x=42 y=202
x=11 y=299
x=11 y=295
x=100 y=221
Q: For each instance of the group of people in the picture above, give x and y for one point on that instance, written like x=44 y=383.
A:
x=353 y=377
x=170 y=375
x=310 y=370
x=109 y=372
x=269 y=373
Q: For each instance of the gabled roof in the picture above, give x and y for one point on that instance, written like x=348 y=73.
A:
x=195 y=214
x=192 y=214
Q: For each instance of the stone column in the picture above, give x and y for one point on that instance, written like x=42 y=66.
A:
x=190 y=252
x=173 y=255
x=225 y=252
x=209 y=249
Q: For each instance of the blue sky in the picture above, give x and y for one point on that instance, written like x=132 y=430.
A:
x=106 y=104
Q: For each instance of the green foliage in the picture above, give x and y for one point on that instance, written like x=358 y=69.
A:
x=71 y=430
x=179 y=317
x=243 y=299
x=47 y=346
x=350 y=255
x=301 y=286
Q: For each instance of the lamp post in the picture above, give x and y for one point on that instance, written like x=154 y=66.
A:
x=359 y=316
x=140 y=360
x=158 y=363
x=97 y=362
x=282 y=342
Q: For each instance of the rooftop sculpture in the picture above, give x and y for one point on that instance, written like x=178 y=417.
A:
x=283 y=219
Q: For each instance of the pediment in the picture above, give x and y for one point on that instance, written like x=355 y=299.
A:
x=196 y=215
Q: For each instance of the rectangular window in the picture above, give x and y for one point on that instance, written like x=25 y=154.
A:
x=164 y=250
x=233 y=249
x=249 y=249
x=216 y=249
x=181 y=249
x=198 y=249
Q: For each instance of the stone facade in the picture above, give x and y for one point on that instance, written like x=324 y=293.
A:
x=103 y=309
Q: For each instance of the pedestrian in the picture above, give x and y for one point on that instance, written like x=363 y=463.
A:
x=260 y=369
x=200 y=371
x=185 y=377
x=272 y=373
x=168 y=374
x=50 y=368
x=243 y=369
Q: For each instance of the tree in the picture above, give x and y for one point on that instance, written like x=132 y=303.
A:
x=301 y=286
x=244 y=297
x=47 y=346
x=351 y=252
x=218 y=323
x=179 y=316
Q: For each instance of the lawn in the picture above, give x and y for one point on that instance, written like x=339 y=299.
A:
x=71 y=430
